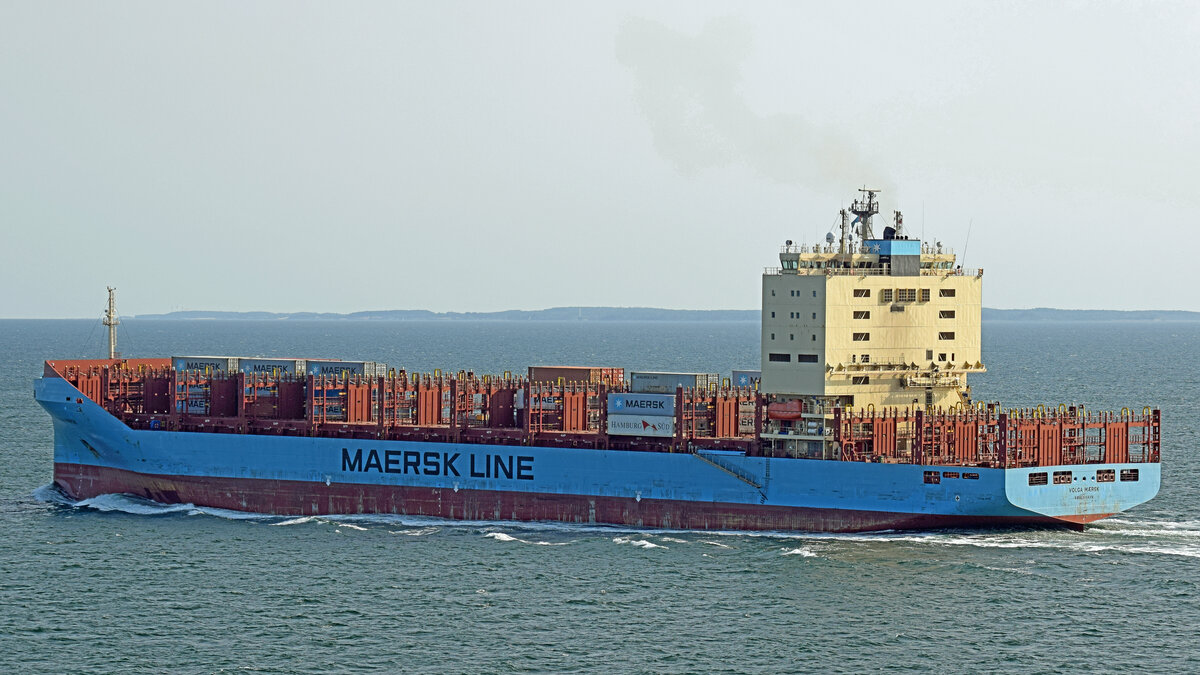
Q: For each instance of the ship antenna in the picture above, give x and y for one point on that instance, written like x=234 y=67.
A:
x=967 y=243
x=111 y=320
x=863 y=209
x=845 y=232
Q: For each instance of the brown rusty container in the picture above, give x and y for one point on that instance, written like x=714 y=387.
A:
x=577 y=374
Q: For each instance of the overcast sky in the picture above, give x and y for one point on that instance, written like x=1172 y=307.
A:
x=483 y=156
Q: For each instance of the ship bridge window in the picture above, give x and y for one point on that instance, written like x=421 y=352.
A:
x=945 y=292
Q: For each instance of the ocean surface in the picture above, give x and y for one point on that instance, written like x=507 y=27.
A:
x=116 y=584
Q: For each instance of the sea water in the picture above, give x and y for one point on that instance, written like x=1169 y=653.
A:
x=117 y=584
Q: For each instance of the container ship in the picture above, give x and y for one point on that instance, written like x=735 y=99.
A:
x=859 y=418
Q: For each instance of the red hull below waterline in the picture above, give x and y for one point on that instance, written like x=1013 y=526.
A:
x=295 y=498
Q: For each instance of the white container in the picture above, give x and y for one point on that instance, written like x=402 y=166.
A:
x=641 y=425
x=667 y=383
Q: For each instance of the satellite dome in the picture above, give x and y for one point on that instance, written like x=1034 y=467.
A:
x=829 y=238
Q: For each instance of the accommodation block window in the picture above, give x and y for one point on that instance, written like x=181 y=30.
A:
x=945 y=292
x=784 y=358
x=946 y=314
x=946 y=335
x=862 y=337
x=862 y=315
x=860 y=379
x=862 y=292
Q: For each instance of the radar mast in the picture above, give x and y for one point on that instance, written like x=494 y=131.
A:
x=111 y=320
x=863 y=209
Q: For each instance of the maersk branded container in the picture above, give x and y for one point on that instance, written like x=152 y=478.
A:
x=653 y=405
x=667 y=383
x=641 y=425
x=342 y=368
x=272 y=366
x=745 y=378
x=568 y=374
x=205 y=364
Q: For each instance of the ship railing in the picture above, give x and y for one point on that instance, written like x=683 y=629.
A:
x=834 y=269
x=956 y=272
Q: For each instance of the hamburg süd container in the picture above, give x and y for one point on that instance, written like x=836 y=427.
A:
x=641 y=425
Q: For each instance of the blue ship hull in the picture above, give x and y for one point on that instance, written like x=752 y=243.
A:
x=95 y=453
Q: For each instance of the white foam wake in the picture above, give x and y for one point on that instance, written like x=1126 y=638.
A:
x=802 y=552
x=642 y=543
x=502 y=536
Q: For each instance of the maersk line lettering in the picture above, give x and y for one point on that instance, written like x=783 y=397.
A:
x=644 y=404
x=436 y=464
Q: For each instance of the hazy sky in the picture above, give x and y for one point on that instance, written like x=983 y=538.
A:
x=450 y=156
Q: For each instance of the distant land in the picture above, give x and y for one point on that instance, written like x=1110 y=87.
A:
x=649 y=314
